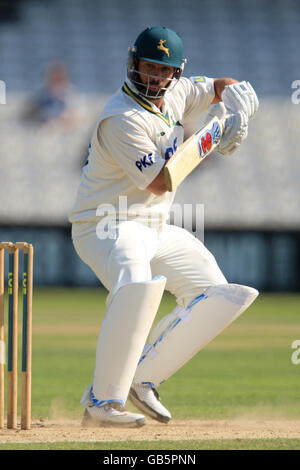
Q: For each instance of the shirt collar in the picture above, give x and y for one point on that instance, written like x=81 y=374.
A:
x=131 y=90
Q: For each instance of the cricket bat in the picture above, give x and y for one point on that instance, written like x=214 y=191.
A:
x=192 y=152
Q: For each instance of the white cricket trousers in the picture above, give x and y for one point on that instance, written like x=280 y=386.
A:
x=138 y=253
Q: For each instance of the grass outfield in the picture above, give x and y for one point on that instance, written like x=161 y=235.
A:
x=213 y=444
x=245 y=372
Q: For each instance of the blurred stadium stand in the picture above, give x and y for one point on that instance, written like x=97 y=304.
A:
x=256 y=189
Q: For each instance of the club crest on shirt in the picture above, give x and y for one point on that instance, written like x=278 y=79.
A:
x=198 y=79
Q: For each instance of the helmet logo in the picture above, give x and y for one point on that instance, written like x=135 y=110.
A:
x=161 y=47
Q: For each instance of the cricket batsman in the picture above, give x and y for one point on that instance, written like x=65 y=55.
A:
x=119 y=230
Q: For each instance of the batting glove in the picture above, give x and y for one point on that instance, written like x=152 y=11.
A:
x=235 y=128
x=240 y=97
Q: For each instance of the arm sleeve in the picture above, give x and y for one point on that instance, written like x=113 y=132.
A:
x=130 y=145
x=200 y=93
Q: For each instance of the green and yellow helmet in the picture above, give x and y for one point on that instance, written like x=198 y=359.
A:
x=159 y=45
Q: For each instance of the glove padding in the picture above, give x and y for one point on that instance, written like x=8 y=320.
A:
x=235 y=131
x=240 y=97
x=235 y=128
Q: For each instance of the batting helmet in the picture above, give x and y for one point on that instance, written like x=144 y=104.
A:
x=159 y=45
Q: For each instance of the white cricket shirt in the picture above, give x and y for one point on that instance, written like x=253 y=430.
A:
x=130 y=144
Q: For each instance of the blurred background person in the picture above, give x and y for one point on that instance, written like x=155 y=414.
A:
x=54 y=103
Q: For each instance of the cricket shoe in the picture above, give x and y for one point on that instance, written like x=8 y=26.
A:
x=146 y=399
x=111 y=415
x=86 y=399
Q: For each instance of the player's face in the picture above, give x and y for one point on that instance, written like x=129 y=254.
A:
x=155 y=76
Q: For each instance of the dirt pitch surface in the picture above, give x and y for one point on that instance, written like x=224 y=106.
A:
x=70 y=430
